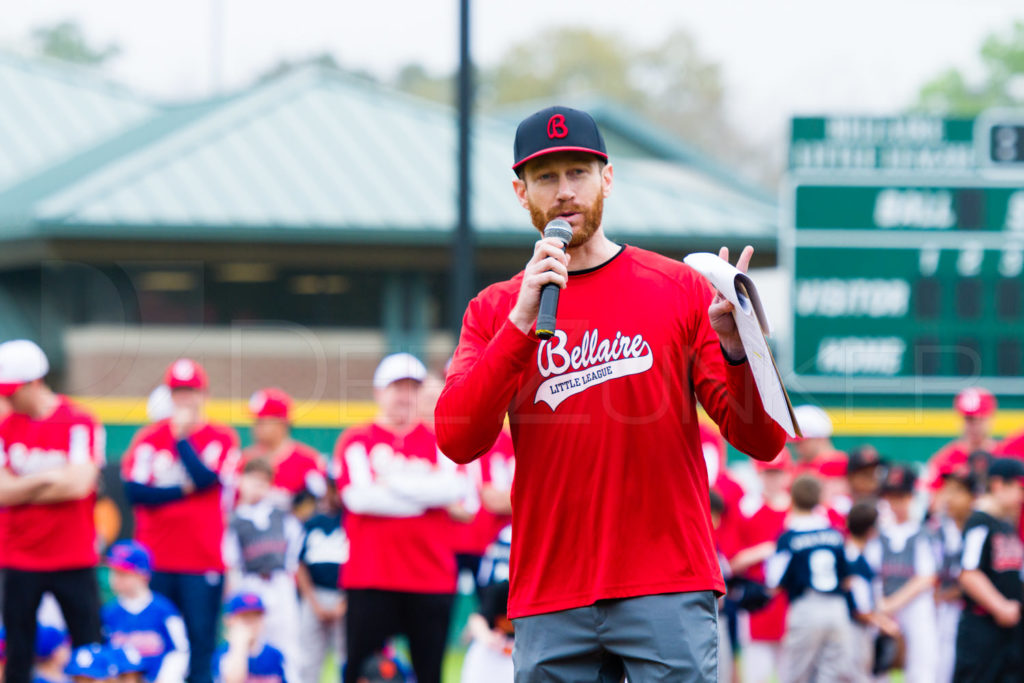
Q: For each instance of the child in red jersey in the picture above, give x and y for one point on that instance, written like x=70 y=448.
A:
x=179 y=475
x=51 y=452
x=762 y=642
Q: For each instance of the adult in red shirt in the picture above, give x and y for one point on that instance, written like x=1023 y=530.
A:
x=297 y=467
x=976 y=406
x=400 y=576
x=814 y=447
x=51 y=452
x=613 y=566
x=179 y=474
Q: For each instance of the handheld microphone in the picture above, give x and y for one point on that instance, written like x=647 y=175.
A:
x=560 y=229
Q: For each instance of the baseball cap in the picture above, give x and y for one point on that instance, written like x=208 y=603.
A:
x=975 y=402
x=185 y=373
x=861 y=458
x=21 y=362
x=557 y=129
x=130 y=556
x=963 y=474
x=48 y=639
x=779 y=463
x=92 y=661
x=398 y=366
x=244 y=602
x=899 y=479
x=835 y=464
x=381 y=669
x=1006 y=468
x=814 y=422
x=270 y=402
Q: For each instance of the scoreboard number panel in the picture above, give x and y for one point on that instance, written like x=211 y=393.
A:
x=907 y=284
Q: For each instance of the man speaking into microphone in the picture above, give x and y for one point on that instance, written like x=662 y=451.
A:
x=613 y=570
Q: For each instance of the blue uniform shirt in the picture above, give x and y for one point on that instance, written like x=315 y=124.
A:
x=153 y=632
x=810 y=555
x=265 y=667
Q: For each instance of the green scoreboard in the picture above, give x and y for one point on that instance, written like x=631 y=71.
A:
x=905 y=238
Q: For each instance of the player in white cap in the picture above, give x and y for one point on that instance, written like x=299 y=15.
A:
x=50 y=458
x=400 y=577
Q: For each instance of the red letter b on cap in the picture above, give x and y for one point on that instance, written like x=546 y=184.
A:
x=557 y=127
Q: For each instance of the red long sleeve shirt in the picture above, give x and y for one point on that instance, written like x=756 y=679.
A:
x=610 y=496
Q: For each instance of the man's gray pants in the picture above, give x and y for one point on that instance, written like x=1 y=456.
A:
x=651 y=638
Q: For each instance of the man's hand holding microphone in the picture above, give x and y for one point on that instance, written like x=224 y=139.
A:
x=549 y=266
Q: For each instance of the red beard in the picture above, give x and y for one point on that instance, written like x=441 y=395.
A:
x=591 y=219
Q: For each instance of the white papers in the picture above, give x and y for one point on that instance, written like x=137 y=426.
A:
x=753 y=326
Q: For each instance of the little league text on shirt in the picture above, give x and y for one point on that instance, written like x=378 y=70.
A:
x=605 y=371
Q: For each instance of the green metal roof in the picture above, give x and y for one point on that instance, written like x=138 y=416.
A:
x=320 y=155
x=51 y=111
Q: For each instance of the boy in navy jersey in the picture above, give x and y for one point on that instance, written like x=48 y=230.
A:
x=143 y=620
x=246 y=656
x=810 y=565
x=988 y=644
x=322 y=611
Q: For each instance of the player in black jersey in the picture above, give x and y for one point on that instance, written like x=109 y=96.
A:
x=988 y=644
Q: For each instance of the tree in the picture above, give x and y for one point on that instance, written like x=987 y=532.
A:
x=65 y=41
x=1002 y=56
x=671 y=84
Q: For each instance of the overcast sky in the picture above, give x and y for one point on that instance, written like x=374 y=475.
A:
x=779 y=56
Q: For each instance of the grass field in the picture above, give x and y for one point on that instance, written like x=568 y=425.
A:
x=451 y=673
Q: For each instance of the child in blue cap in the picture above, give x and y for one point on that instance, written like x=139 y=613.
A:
x=246 y=655
x=53 y=651
x=142 y=620
x=92 y=663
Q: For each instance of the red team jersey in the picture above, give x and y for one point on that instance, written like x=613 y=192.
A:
x=411 y=554
x=184 y=535
x=54 y=536
x=495 y=468
x=948 y=458
x=767 y=524
x=294 y=470
x=611 y=487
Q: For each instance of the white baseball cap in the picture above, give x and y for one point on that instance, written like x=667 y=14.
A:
x=814 y=422
x=21 y=362
x=398 y=366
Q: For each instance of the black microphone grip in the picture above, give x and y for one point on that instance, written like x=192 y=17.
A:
x=546 y=323
x=548 y=310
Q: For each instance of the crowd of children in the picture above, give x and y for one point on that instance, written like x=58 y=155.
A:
x=859 y=566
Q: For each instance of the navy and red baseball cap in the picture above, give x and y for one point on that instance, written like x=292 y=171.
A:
x=557 y=129
x=899 y=479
